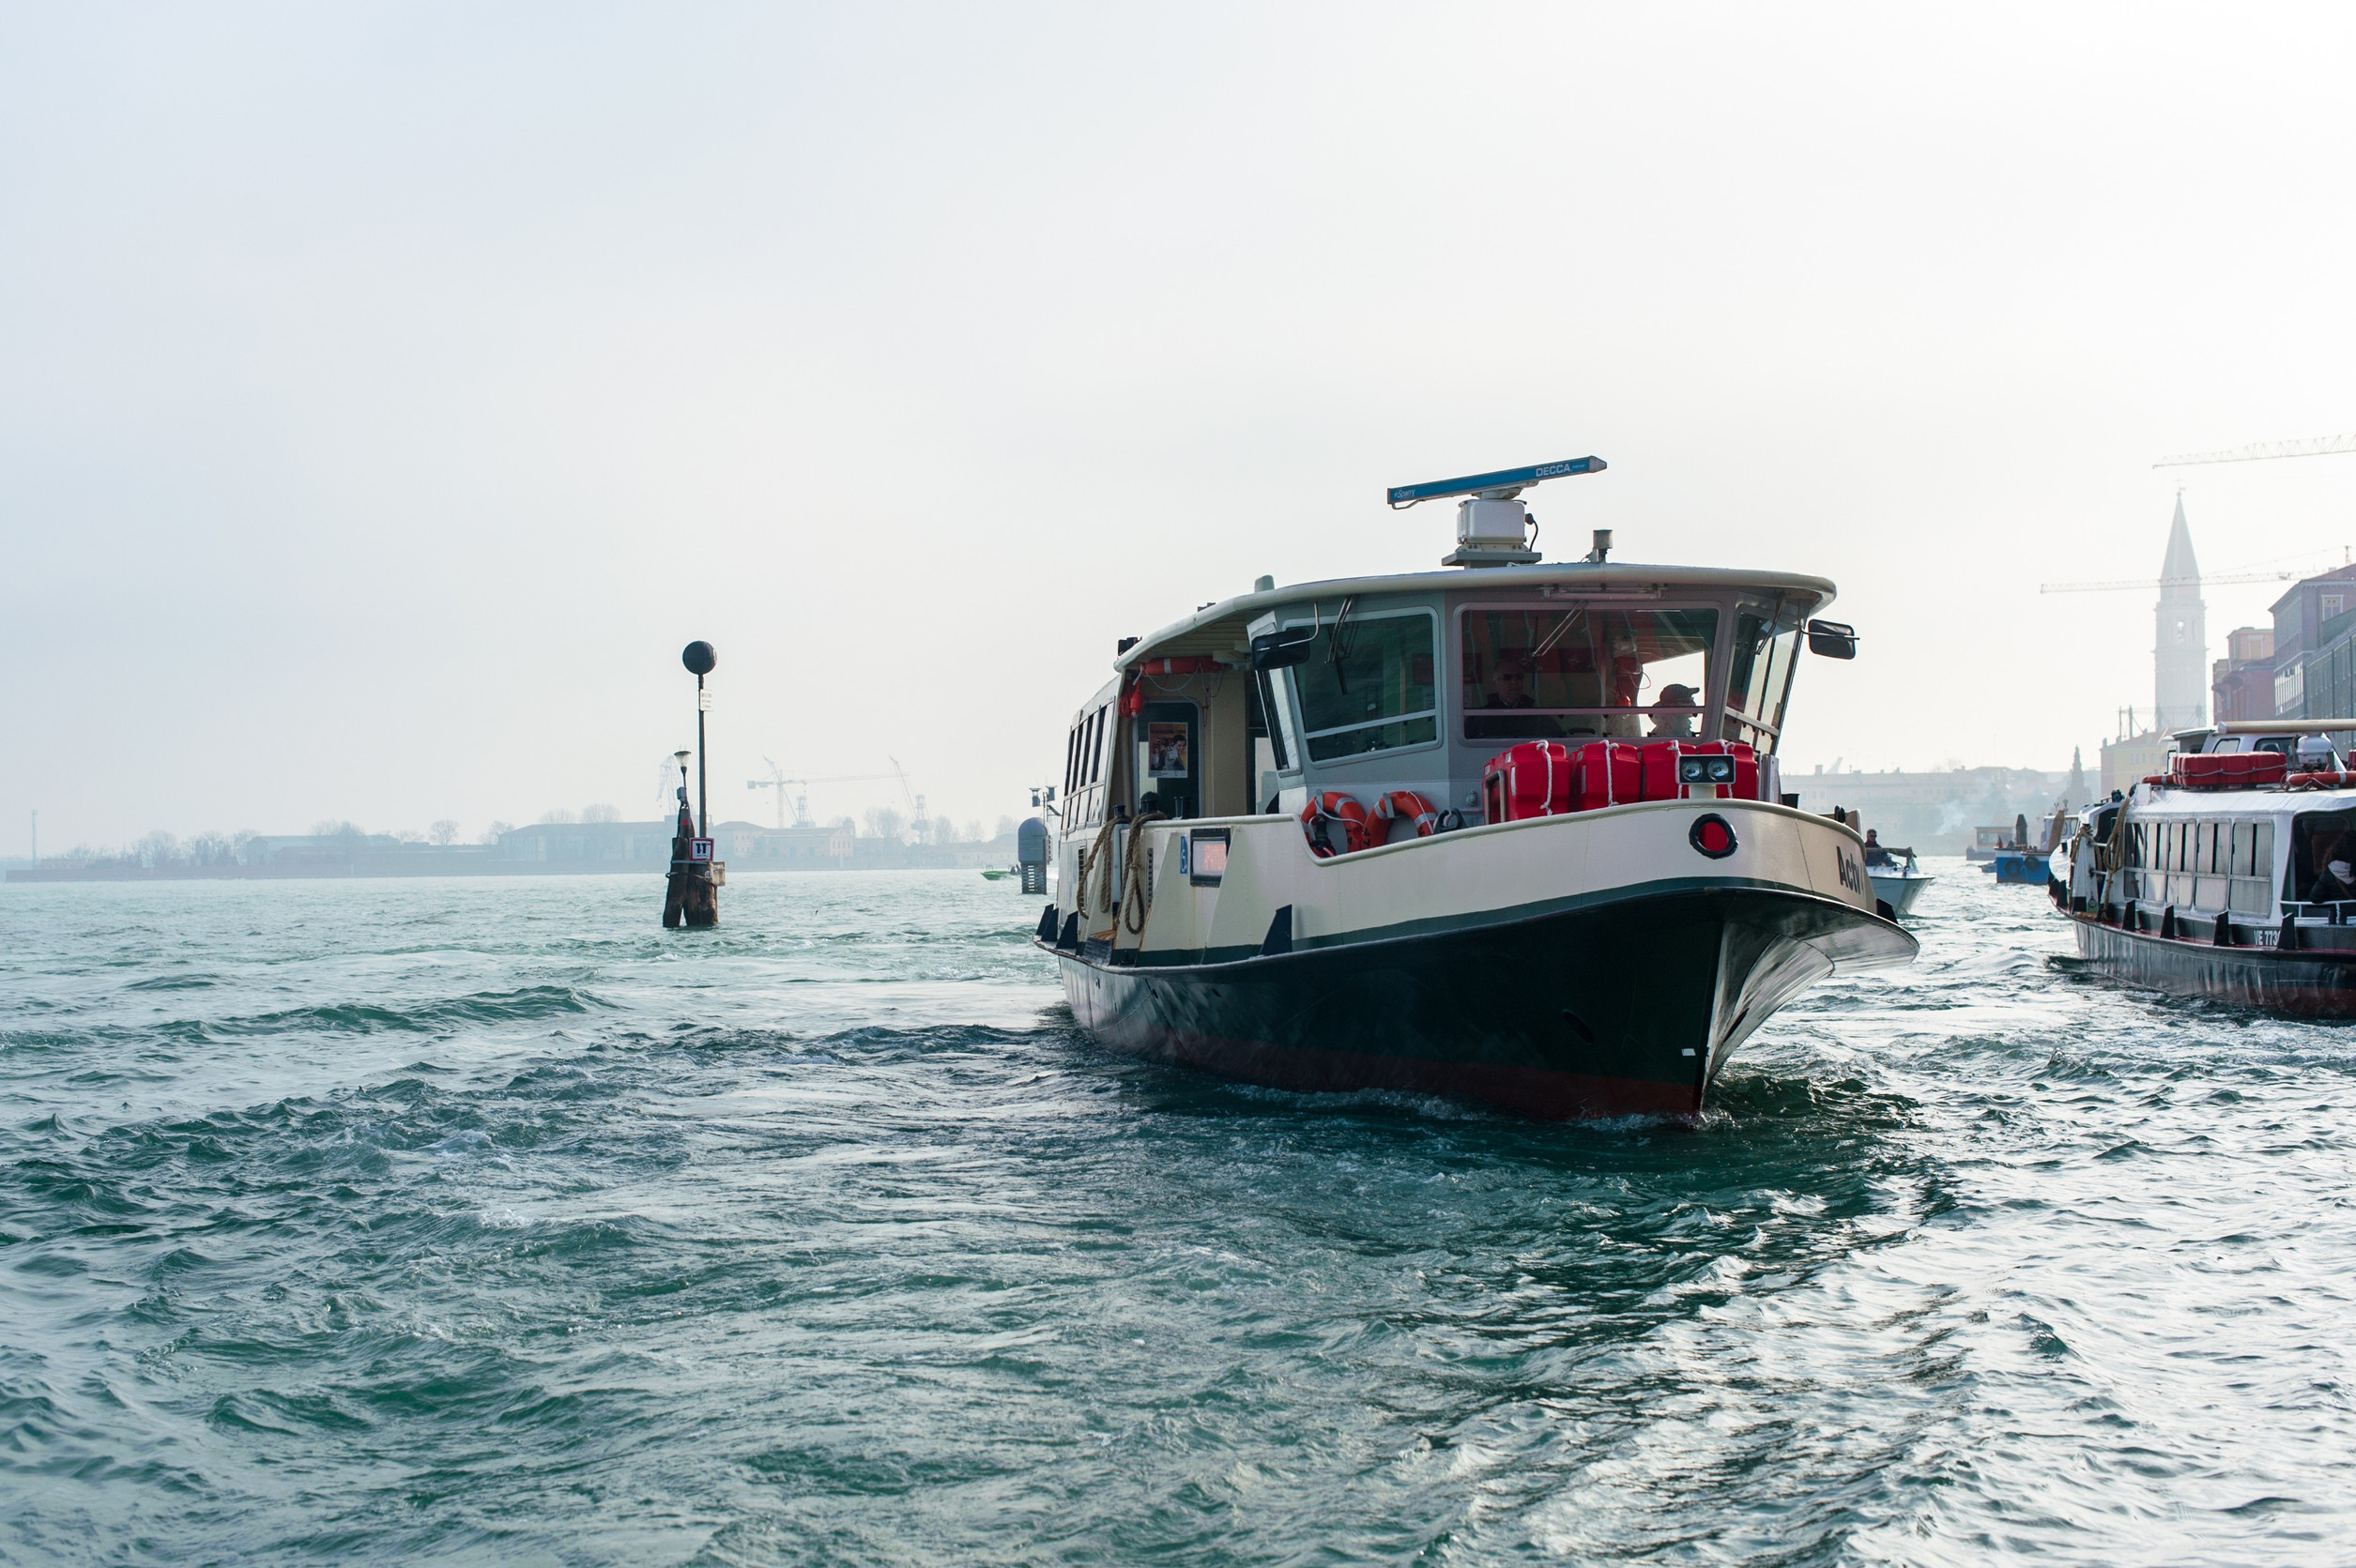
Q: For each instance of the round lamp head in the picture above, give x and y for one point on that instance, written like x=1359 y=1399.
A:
x=698 y=658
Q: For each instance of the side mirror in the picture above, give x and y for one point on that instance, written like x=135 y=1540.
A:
x=1281 y=650
x=1832 y=639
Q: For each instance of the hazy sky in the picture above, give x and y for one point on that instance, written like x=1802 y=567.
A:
x=388 y=392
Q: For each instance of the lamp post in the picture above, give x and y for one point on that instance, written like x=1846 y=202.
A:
x=693 y=896
x=700 y=659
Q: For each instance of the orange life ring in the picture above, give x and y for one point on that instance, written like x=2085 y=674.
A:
x=1333 y=806
x=1403 y=803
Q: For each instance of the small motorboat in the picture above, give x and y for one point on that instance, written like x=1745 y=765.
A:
x=1897 y=879
x=997 y=874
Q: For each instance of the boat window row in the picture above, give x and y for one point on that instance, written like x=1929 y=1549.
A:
x=2203 y=864
x=1370 y=682
x=1083 y=757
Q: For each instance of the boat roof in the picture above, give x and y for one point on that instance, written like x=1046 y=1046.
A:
x=2274 y=802
x=1220 y=629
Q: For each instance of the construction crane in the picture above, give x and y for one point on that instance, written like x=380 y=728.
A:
x=801 y=787
x=917 y=822
x=2322 y=446
x=2287 y=576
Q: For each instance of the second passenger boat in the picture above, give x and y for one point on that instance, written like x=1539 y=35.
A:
x=1511 y=830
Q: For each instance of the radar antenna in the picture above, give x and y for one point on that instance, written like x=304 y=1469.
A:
x=1492 y=526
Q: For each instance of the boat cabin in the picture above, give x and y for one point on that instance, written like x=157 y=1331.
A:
x=2202 y=848
x=1414 y=682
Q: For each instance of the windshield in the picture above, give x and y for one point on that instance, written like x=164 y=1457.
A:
x=1370 y=689
x=1544 y=673
x=1766 y=639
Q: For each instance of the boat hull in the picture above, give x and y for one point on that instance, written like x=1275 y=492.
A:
x=1627 y=1005
x=2304 y=983
x=1899 y=892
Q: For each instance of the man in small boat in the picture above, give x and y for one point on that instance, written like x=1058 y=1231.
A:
x=1874 y=854
x=1510 y=688
x=1675 y=726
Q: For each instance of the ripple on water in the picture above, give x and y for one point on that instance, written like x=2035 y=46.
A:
x=422 y=1220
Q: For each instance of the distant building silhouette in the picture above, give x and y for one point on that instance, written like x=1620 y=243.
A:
x=2180 y=653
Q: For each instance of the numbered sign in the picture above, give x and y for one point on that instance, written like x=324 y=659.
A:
x=700 y=849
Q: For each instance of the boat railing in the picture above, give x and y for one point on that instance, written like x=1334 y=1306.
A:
x=2334 y=911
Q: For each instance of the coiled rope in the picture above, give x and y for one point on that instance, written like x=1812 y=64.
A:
x=1094 y=857
x=1136 y=901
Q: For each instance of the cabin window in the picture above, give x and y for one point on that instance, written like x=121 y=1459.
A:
x=1584 y=671
x=1071 y=760
x=2318 y=839
x=1372 y=688
x=1093 y=745
x=1284 y=740
x=1766 y=641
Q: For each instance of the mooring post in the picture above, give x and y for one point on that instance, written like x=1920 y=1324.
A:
x=692 y=893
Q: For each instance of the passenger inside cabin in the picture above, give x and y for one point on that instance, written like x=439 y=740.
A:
x=2336 y=882
x=1510 y=688
x=1666 y=727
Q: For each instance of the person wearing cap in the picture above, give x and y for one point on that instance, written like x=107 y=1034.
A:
x=1675 y=726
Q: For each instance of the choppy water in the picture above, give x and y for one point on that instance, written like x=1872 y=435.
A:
x=485 y=1220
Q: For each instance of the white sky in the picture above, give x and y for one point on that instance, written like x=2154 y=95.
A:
x=387 y=393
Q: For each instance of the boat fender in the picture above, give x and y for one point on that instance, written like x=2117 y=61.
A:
x=2287 y=940
x=1279 y=939
x=2224 y=929
x=1403 y=803
x=1881 y=907
x=1333 y=806
x=1047 y=923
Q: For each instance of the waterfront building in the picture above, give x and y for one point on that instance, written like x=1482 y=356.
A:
x=1933 y=811
x=2181 y=650
x=2241 y=684
x=2314 y=665
x=2135 y=753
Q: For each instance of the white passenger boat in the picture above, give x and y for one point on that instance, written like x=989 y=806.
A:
x=1508 y=830
x=2215 y=878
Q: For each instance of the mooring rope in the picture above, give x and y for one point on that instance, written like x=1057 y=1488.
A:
x=1137 y=899
x=1090 y=860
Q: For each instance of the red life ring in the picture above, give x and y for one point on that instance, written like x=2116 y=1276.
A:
x=1333 y=806
x=1403 y=803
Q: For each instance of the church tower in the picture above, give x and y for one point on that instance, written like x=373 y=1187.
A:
x=2181 y=654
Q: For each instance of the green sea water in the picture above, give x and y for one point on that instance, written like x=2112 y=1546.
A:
x=472 y=1221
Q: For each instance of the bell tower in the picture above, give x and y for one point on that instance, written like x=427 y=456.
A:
x=2181 y=652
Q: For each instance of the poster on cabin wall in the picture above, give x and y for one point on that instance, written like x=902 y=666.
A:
x=1166 y=750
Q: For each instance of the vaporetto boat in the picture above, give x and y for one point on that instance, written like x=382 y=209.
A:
x=1510 y=829
x=2215 y=878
